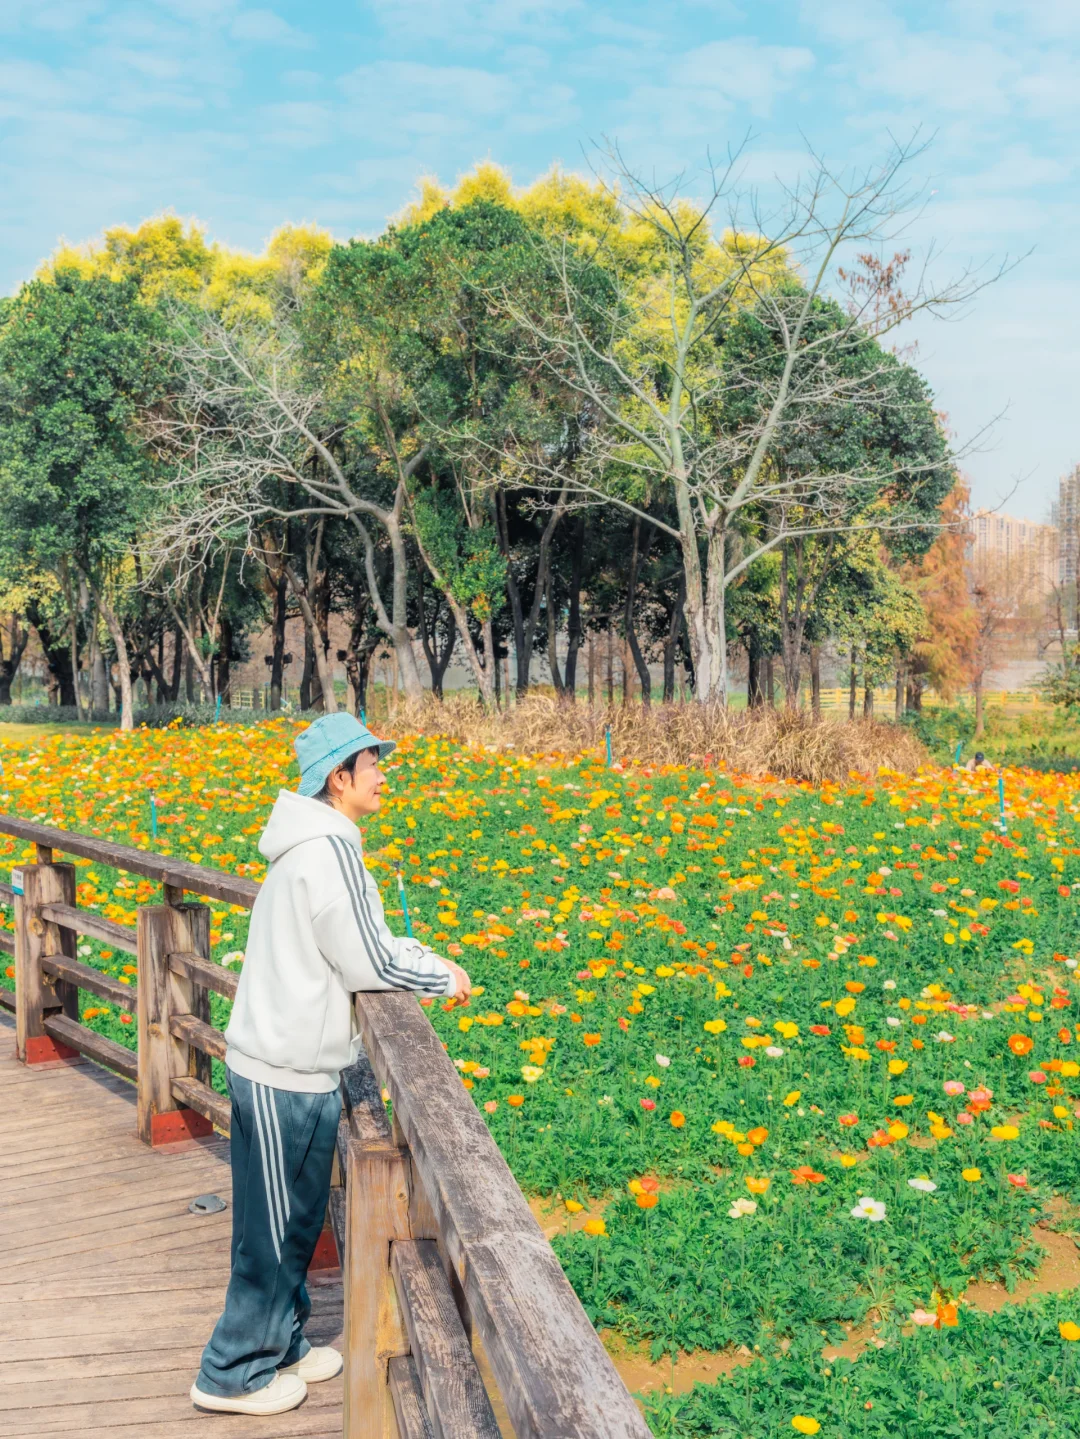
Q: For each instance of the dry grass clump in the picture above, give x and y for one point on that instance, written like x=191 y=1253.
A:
x=777 y=742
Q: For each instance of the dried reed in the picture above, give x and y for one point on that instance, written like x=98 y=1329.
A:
x=760 y=742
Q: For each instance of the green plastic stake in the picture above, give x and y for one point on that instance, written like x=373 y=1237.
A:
x=404 y=904
x=607 y=737
x=1001 y=798
x=959 y=747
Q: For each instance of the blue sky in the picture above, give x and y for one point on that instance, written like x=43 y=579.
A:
x=248 y=117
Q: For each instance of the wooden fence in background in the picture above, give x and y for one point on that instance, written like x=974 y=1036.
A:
x=437 y=1242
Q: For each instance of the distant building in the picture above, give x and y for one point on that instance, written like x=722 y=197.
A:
x=1028 y=552
x=1067 y=517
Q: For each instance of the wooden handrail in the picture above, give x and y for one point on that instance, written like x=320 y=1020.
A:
x=205 y=971
x=436 y=1238
x=178 y=873
x=84 y=921
x=521 y=1304
x=96 y=1046
x=88 y=978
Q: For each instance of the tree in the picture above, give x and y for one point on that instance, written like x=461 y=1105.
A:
x=660 y=377
x=76 y=365
x=943 y=651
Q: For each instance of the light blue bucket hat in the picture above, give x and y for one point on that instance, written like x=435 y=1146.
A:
x=329 y=742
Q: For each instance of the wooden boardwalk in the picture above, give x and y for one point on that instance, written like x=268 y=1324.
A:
x=109 y=1287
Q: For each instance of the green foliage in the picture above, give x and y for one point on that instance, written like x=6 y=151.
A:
x=467 y=560
x=76 y=367
x=1060 y=684
x=1008 y=1375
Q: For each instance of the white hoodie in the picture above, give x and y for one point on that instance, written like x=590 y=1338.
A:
x=317 y=934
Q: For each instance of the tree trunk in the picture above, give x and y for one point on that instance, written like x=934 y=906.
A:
x=9 y=663
x=898 y=713
x=753 y=675
x=543 y=565
x=322 y=664
x=770 y=690
x=636 y=556
x=868 y=696
x=979 y=718
x=438 y=658
x=592 y=668
x=123 y=664
x=483 y=675
x=815 y=681
x=277 y=654
x=791 y=625
x=57 y=652
x=308 y=670
x=224 y=669
x=671 y=639
x=703 y=605
x=851 y=687
x=491 y=663
x=574 y=628
x=513 y=593
x=610 y=664
x=552 y=636
x=399 y=629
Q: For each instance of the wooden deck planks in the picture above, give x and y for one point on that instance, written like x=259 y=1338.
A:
x=109 y=1287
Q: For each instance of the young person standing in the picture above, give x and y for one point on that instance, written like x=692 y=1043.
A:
x=317 y=934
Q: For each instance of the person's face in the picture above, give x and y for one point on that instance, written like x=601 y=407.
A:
x=359 y=793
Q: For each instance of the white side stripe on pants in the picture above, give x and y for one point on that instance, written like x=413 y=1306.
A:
x=273 y=1167
x=283 y=1189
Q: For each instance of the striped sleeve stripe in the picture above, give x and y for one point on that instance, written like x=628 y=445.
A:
x=379 y=959
x=385 y=963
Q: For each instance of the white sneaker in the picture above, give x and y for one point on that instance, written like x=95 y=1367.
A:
x=316 y=1365
x=285 y=1391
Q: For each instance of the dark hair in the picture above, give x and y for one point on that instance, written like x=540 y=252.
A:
x=348 y=765
x=979 y=756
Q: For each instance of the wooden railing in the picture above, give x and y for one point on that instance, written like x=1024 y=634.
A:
x=440 y=1254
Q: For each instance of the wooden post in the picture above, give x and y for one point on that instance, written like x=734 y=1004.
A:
x=163 y=930
x=36 y=995
x=380 y=1209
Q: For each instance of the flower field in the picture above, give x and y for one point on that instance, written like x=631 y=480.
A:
x=786 y=1058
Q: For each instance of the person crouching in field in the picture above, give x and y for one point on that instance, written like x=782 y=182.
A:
x=317 y=934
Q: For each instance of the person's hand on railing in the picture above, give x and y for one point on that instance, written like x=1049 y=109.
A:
x=462 y=982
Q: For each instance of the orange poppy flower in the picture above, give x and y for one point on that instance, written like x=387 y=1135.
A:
x=1021 y=1043
x=806 y=1175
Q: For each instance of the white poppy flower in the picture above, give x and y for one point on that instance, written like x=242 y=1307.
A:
x=923 y=1185
x=867 y=1208
x=662 y=1060
x=741 y=1208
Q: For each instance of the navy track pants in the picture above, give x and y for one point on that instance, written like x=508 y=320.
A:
x=282 y=1149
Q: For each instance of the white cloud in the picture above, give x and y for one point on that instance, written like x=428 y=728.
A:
x=298 y=125
x=475 y=24
x=264 y=27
